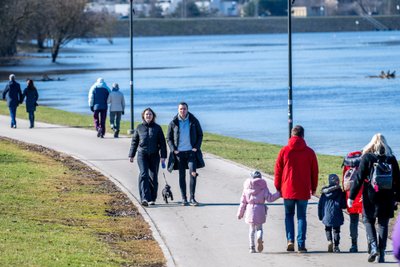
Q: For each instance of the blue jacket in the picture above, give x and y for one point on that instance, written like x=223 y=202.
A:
x=330 y=206
x=98 y=94
x=12 y=93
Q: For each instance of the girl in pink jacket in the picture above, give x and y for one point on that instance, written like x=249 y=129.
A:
x=255 y=193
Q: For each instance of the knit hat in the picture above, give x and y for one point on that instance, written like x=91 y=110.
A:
x=256 y=174
x=333 y=179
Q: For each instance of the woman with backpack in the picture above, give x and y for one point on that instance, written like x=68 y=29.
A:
x=379 y=176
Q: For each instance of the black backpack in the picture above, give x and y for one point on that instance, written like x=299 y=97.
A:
x=381 y=175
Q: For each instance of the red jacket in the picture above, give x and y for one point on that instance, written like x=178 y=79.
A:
x=296 y=170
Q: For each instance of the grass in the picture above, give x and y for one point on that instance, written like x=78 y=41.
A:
x=56 y=211
x=255 y=155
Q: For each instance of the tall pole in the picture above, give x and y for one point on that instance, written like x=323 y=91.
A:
x=290 y=101
x=131 y=11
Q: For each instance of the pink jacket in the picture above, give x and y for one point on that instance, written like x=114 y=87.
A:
x=255 y=193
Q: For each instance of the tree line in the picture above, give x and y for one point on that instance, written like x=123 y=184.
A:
x=47 y=22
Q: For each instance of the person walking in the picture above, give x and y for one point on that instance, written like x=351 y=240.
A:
x=32 y=96
x=12 y=93
x=330 y=206
x=97 y=98
x=255 y=193
x=378 y=202
x=296 y=177
x=117 y=108
x=149 y=142
x=184 y=140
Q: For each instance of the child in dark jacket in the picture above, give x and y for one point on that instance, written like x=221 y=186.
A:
x=330 y=206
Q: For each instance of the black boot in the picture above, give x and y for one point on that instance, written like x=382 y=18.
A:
x=373 y=253
x=381 y=258
x=353 y=248
x=116 y=133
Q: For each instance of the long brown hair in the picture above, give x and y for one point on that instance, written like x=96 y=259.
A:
x=30 y=84
x=154 y=114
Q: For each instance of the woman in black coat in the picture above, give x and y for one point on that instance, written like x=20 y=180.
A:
x=32 y=97
x=378 y=203
x=149 y=142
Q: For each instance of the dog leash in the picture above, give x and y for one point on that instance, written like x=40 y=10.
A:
x=165 y=179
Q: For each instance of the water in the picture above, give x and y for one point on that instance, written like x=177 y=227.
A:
x=237 y=85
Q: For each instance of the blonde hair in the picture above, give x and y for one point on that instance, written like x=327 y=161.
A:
x=378 y=145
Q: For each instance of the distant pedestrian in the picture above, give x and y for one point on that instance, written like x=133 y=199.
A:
x=296 y=177
x=32 y=96
x=184 y=139
x=97 y=98
x=330 y=206
x=117 y=108
x=12 y=93
x=252 y=207
x=148 y=141
x=378 y=202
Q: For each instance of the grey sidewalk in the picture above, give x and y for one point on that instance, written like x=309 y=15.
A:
x=208 y=235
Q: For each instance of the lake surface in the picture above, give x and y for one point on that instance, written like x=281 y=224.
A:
x=237 y=85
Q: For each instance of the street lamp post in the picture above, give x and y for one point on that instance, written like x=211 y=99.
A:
x=131 y=12
x=290 y=102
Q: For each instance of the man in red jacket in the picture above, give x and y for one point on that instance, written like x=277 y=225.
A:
x=296 y=177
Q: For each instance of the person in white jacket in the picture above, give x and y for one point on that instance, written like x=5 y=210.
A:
x=117 y=108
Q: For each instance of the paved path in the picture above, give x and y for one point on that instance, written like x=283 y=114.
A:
x=208 y=235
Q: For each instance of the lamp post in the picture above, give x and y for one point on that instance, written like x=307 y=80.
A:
x=131 y=12
x=290 y=102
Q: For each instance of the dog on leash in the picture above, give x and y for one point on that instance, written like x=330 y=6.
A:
x=167 y=193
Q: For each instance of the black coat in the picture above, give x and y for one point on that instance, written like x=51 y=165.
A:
x=330 y=207
x=149 y=139
x=13 y=94
x=32 y=97
x=376 y=204
x=196 y=138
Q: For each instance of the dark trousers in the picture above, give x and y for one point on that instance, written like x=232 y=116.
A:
x=354 y=218
x=32 y=118
x=115 y=119
x=336 y=234
x=148 y=176
x=100 y=123
x=13 y=114
x=187 y=159
x=383 y=227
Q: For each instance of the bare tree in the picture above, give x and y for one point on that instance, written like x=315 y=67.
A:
x=67 y=21
x=369 y=7
x=13 y=14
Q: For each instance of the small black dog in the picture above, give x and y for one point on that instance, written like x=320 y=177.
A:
x=167 y=193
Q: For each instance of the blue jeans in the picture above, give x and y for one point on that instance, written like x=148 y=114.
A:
x=290 y=205
x=13 y=113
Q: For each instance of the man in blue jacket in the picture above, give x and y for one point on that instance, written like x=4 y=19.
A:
x=13 y=94
x=98 y=95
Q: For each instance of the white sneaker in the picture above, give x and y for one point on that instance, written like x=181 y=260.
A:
x=260 y=245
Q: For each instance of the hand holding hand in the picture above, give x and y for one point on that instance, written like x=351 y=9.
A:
x=350 y=203
x=194 y=149
x=176 y=152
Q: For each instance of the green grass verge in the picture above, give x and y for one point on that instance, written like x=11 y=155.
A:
x=53 y=215
x=255 y=155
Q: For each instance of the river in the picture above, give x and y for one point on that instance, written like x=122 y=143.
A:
x=237 y=84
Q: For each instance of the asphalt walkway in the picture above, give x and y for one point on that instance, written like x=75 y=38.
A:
x=207 y=235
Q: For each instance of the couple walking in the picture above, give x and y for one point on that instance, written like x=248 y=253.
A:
x=99 y=97
x=296 y=178
x=14 y=96
x=184 y=140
